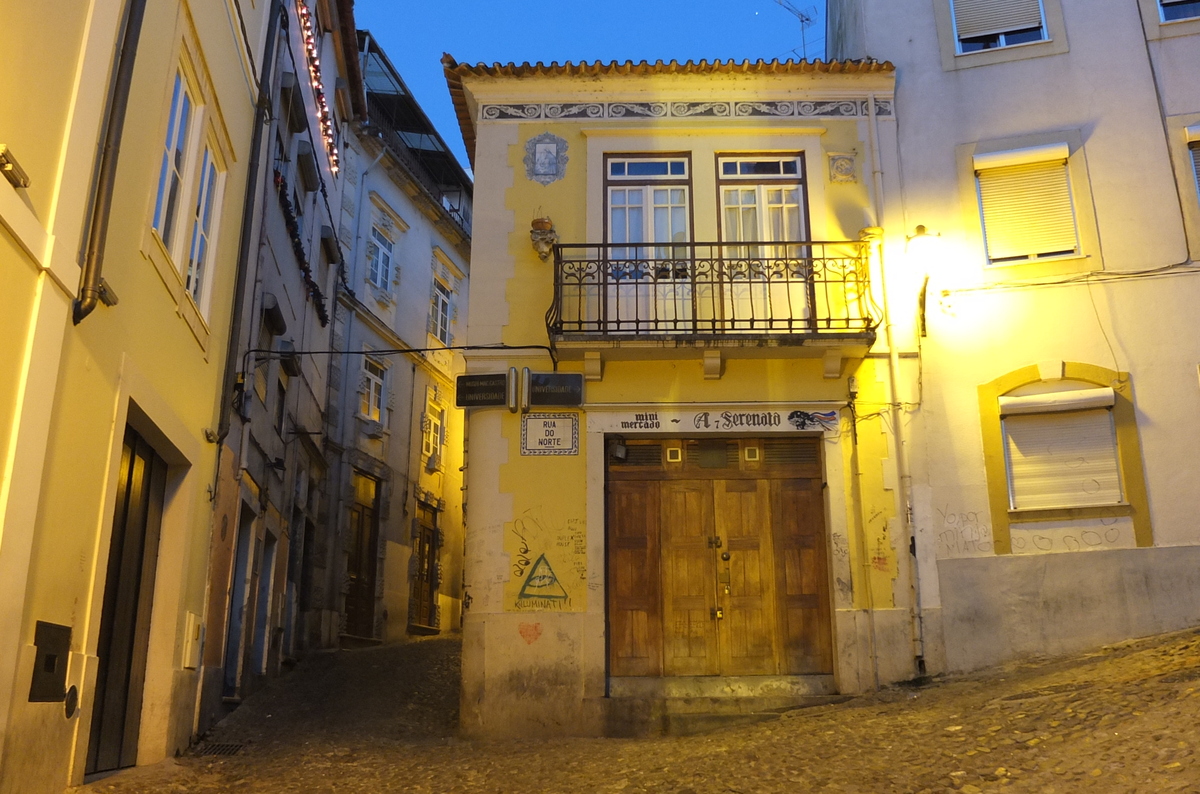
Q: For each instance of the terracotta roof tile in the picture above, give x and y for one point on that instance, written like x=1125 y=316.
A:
x=455 y=72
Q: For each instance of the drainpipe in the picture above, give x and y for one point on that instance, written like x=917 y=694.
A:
x=903 y=474
x=247 y=232
x=92 y=287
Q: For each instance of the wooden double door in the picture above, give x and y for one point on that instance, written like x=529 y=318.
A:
x=717 y=560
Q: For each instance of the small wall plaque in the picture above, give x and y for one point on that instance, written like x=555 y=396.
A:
x=550 y=434
x=545 y=158
x=841 y=168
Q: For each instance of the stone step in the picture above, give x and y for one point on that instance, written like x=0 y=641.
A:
x=639 y=716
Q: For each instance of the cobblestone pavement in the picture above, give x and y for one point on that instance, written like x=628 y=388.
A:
x=1123 y=719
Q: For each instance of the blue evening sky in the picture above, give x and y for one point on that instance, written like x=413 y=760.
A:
x=415 y=34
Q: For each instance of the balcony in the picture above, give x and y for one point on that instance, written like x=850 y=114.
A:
x=712 y=294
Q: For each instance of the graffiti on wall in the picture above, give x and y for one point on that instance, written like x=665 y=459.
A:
x=548 y=563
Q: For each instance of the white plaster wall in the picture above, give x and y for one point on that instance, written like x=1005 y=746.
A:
x=1103 y=89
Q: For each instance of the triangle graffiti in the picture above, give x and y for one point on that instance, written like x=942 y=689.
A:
x=541 y=582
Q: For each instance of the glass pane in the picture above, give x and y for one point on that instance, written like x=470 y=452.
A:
x=616 y=169
x=647 y=168
x=677 y=167
x=790 y=167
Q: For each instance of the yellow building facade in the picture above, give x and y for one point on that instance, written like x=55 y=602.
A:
x=694 y=493
x=119 y=272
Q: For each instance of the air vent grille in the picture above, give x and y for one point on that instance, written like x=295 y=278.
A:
x=643 y=455
x=792 y=451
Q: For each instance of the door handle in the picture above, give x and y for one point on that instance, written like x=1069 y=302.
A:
x=717 y=613
x=714 y=542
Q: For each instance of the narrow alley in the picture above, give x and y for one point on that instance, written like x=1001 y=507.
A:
x=1123 y=719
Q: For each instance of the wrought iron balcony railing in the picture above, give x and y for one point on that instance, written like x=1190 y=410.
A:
x=711 y=290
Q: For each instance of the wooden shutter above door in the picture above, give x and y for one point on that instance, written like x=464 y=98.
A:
x=1027 y=211
x=986 y=17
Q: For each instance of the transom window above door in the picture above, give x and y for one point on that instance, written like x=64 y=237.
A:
x=648 y=168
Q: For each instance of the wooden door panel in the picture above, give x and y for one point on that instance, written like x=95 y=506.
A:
x=745 y=582
x=634 y=614
x=688 y=578
x=798 y=520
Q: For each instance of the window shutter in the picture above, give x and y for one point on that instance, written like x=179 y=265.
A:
x=985 y=17
x=1062 y=459
x=1027 y=210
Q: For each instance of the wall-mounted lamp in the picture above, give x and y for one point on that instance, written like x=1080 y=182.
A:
x=918 y=244
x=922 y=235
x=541 y=232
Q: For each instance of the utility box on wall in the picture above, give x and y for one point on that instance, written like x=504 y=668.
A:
x=53 y=642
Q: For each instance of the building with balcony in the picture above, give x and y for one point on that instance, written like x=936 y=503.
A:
x=1051 y=151
x=702 y=509
x=394 y=436
x=124 y=147
x=274 y=575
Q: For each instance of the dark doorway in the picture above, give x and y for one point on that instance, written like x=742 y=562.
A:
x=423 y=598
x=363 y=555
x=238 y=591
x=128 y=598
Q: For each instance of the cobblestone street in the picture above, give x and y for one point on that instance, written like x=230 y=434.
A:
x=1123 y=719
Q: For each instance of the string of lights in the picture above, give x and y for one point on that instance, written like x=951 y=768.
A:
x=314 y=74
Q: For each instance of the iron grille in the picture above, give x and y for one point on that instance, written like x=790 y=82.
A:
x=711 y=289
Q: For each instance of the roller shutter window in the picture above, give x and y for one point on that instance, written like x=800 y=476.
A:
x=1027 y=211
x=987 y=24
x=1062 y=459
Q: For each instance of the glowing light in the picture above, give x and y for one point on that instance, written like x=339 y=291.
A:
x=314 y=73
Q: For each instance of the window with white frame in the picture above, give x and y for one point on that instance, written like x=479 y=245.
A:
x=379 y=258
x=648 y=202
x=1026 y=204
x=207 y=197
x=434 y=436
x=762 y=198
x=440 y=313
x=990 y=24
x=1179 y=9
x=1060 y=449
x=372 y=397
x=174 y=162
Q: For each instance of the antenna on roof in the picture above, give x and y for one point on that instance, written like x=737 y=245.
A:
x=807 y=17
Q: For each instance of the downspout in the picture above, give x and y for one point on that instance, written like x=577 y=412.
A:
x=903 y=473
x=92 y=288
x=247 y=231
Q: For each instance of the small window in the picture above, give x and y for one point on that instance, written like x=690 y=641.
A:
x=1179 y=9
x=281 y=403
x=371 y=404
x=440 y=313
x=175 y=153
x=435 y=430
x=202 y=227
x=989 y=24
x=1026 y=204
x=379 y=253
x=648 y=168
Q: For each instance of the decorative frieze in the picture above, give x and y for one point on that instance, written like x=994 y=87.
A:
x=838 y=107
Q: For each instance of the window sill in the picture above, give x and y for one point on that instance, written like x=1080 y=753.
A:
x=1023 y=515
x=1005 y=47
x=1039 y=268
